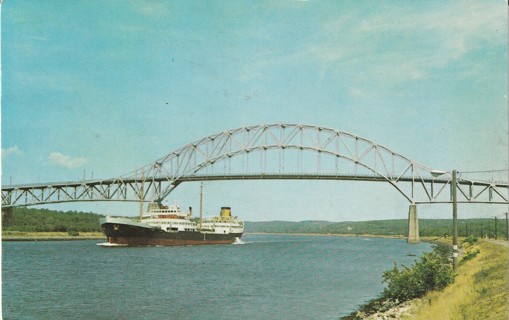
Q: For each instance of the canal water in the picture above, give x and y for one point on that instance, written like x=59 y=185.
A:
x=267 y=277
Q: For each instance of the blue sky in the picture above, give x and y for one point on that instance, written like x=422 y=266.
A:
x=105 y=87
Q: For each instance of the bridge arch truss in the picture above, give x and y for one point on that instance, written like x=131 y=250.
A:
x=276 y=151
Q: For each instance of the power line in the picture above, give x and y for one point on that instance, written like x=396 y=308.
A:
x=485 y=171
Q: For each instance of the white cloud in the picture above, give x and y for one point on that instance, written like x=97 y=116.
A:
x=62 y=160
x=11 y=151
x=395 y=45
x=151 y=8
x=403 y=44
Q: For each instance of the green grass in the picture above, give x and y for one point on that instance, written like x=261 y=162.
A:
x=480 y=290
x=20 y=235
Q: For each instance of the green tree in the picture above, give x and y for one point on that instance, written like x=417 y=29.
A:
x=433 y=271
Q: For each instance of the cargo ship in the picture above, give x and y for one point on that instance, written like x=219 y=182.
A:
x=170 y=226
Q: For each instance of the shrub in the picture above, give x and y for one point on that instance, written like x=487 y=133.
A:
x=471 y=239
x=433 y=271
x=470 y=255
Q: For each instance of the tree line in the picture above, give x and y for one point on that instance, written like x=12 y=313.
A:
x=43 y=220
x=38 y=220
x=479 y=227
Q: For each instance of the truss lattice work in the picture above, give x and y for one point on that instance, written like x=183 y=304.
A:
x=277 y=151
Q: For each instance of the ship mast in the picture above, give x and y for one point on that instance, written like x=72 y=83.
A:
x=201 y=205
x=141 y=197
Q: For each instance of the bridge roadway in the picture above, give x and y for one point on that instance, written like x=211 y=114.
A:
x=254 y=176
x=56 y=192
x=217 y=177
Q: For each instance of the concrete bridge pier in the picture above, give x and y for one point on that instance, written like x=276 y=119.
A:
x=413 y=225
x=6 y=216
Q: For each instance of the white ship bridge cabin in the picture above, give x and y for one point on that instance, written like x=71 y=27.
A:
x=173 y=219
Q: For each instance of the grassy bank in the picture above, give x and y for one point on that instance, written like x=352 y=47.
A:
x=480 y=290
x=48 y=236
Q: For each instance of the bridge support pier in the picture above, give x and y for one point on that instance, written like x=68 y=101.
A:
x=6 y=216
x=413 y=225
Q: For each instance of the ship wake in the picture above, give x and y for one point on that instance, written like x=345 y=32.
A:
x=107 y=244
x=238 y=241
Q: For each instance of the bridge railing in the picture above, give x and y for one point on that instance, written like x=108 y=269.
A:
x=204 y=177
x=423 y=190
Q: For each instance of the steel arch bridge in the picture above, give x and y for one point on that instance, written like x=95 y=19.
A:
x=275 y=151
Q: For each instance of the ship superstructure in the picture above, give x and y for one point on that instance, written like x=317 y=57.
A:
x=170 y=226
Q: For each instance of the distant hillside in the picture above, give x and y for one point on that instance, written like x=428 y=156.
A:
x=287 y=226
x=44 y=220
x=427 y=227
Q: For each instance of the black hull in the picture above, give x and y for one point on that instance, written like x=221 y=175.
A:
x=131 y=235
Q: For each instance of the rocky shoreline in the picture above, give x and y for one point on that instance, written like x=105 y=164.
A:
x=381 y=309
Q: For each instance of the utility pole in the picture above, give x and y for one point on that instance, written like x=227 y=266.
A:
x=506 y=228
x=454 y=222
x=495 y=228
x=201 y=205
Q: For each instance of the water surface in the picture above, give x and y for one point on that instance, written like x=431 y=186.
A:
x=268 y=277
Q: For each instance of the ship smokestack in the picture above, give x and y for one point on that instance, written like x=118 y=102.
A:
x=226 y=212
x=190 y=211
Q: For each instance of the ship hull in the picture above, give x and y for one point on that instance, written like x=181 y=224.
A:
x=129 y=234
